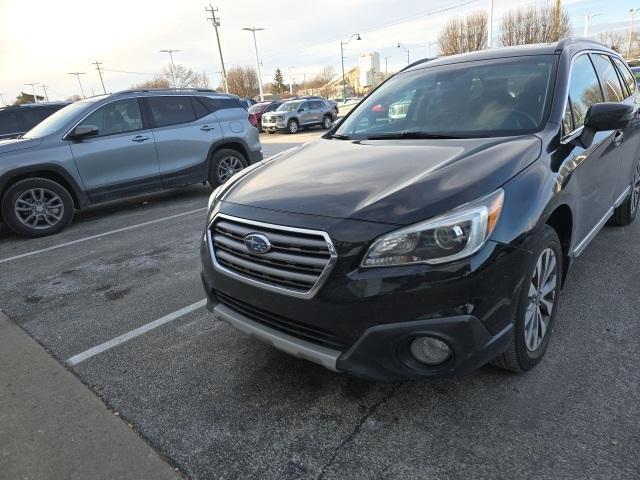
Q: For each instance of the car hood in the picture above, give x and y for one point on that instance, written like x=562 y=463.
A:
x=7 y=146
x=389 y=181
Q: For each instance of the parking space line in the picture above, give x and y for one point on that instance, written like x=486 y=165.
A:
x=99 y=235
x=114 y=342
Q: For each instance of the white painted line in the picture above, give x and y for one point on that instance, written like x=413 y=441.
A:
x=99 y=235
x=114 y=342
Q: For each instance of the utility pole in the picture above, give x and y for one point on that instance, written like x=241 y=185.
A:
x=44 y=87
x=633 y=12
x=290 y=82
x=386 y=67
x=97 y=64
x=77 y=74
x=33 y=87
x=173 y=67
x=255 y=45
x=344 y=81
x=406 y=50
x=489 y=30
x=216 y=23
x=2 y=99
x=558 y=16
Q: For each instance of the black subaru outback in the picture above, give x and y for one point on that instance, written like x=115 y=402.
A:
x=428 y=240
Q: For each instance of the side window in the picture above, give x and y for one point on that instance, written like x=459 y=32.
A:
x=305 y=106
x=317 y=105
x=215 y=104
x=567 y=120
x=171 y=110
x=116 y=117
x=199 y=109
x=628 y=78
x=30 y=117
x=609 y=78
x=9 y=123
x=272 y=107
x=584 y=89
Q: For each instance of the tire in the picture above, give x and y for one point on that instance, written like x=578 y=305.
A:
x=224 y=164
x=626 y=213
x=526 y=350
x=293 y=126
x=37 y=207
x=327 y=123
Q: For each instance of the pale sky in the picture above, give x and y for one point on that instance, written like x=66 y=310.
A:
x=42 y=40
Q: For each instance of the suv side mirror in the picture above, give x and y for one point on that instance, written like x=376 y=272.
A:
x=82 y=131
x=602 y=117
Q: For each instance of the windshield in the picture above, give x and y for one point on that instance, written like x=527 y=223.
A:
x=472 y=99
x=289 y=106
x=56 y=121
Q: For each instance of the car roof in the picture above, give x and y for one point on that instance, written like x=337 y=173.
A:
x=35 y=105
x=171 y=92
x=555 y=48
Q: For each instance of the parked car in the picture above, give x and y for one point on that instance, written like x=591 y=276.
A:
x=293 y=115
x=120 y=145
x=247 y=102
x=431 y=245
x=260 y=109
x=636 y=74
x=18 y=119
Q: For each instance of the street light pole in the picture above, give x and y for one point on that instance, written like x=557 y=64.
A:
x=588 y=17
x=386 y=67
x=632 y=11
x=490 y=25
x=290 y=81
x=406 y=50
x=255 y=45
x=77 y=74
x=344 y=82
x=173 y=68
x=33 y=87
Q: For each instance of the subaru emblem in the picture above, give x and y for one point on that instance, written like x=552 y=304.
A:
x=257 y=243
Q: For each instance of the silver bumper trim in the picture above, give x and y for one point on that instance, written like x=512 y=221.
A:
x=324 y=356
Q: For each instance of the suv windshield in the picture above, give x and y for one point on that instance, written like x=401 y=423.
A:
x=289 y=106
x=56 y=121
x=472 y=99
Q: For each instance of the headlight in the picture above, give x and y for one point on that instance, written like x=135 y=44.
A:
x=213 y=197
x=449 y=237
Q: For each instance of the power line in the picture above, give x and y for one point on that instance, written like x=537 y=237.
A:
x=97 y=64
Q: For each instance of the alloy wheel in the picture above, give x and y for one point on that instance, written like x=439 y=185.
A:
x=39 y=208
x=293 y=127
x=227 y=167
x=542 y=293
x=635 y=191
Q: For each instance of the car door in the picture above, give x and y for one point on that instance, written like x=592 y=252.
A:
x=304 y=113
x=121 y=159
x=593 y=168
x=631 y=146
x=184 y=130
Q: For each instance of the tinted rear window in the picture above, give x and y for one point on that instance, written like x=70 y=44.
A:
x=171 y=110
x=9 y=123
x=215 y=104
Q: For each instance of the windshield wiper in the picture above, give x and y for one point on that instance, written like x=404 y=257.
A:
x=341 y=137
x=410 y=134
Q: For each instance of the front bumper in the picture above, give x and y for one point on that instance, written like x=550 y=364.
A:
x=366 y=317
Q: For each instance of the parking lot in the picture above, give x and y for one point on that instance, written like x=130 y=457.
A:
x=218 y=404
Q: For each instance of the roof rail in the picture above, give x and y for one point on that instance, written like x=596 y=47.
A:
x=563 y=42
x=185 y=89
x=418 y=62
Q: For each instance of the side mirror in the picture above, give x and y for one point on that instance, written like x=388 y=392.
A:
x=601 y=117
x=82 y=131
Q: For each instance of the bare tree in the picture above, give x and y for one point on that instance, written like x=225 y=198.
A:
x=465 y=34
x=620 y=41
x=185 y=77
x=243 y=81
x=534 y=24
x=157 y=82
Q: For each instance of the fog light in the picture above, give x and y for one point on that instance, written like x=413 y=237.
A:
x=430 y=350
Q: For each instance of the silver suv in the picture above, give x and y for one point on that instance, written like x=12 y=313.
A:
x=295 y=114
x=119 y=145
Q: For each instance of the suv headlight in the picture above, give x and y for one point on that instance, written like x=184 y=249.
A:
x=451 y=236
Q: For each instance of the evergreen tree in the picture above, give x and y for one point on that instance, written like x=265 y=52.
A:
x=278 y=87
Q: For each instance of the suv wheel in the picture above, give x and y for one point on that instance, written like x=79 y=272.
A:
x=292 y=126
x=537 y=306
x=626 y=213
x=224 y=164
x=327 y=123
x=36 y=207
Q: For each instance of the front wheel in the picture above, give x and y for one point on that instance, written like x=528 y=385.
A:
x=224 y=165
x=626 y=213
x=292 y=126
x=537 y=306
x=37 y=207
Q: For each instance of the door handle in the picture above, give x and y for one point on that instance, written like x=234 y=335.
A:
x=139 y=138
x=207 y=128
x=618 y=137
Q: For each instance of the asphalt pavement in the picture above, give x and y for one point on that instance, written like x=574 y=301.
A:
x=221 y=405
